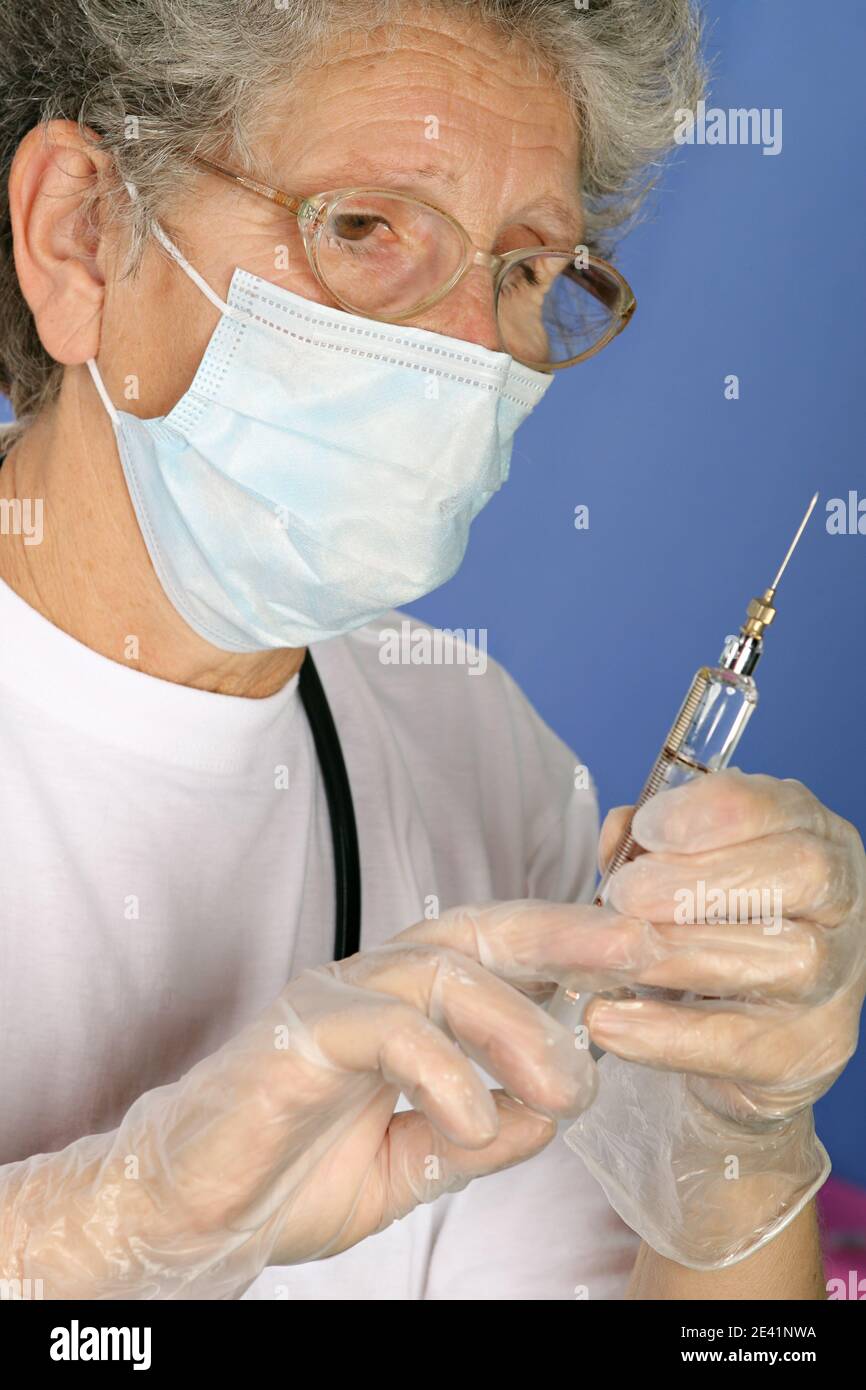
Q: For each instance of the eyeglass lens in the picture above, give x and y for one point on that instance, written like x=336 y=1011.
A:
x=383 y=255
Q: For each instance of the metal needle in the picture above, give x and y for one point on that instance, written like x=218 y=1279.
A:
x=791 y=548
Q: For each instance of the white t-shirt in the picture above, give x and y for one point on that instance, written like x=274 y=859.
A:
x=167 y=867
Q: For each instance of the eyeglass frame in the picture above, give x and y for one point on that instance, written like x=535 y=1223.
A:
x=312 y=213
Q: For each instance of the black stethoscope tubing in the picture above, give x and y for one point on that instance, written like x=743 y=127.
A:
x=344 y=830
x=341 y=811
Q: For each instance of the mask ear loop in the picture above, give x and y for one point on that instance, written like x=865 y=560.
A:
x=177 y=255
x=240 y=314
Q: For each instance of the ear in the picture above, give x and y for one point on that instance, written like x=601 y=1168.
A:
x=58 y=257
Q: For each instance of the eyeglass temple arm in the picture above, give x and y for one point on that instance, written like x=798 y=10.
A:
x=285 y=200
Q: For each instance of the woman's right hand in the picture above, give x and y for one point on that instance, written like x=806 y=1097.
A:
x=283 y=1146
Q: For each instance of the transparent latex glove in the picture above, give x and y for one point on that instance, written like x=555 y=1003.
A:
x=702 y=1133
x=283 y=1146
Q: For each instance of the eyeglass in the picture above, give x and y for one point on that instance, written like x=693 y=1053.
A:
x=387 y=255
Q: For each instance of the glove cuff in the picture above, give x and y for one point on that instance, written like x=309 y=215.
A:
x=704 y=1199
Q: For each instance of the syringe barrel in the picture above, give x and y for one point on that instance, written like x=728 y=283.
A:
x=702 y=740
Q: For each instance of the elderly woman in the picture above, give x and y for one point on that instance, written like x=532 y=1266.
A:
x=280 y=281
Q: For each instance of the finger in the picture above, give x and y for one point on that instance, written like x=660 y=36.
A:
x=793 y=874
x=519 y=1044
x=615 y=825
x=795 y=1052
x=349 y=1034
x=789 y=961
x=586 y=948
x=732 y=807
x=523 y=942
x=784 y=960
x=416 y=1165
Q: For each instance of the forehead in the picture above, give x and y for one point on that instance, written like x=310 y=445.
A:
x=440 y=107
x=436 y=183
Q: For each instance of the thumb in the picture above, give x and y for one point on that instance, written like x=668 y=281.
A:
x=419 y=1164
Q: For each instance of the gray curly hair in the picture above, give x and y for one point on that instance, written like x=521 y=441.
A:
x=191 y=75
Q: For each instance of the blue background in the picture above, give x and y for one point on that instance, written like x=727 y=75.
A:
x=751 y=265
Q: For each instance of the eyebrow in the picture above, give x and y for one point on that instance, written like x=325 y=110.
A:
x=565 y=221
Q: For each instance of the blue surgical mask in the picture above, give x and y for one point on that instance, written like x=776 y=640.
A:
x=321 y=469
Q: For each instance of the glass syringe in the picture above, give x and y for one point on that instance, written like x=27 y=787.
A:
x=702 y=739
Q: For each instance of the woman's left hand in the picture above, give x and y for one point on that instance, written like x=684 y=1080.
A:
x=753 y=901
x=780 y=882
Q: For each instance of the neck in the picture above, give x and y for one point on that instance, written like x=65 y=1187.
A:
x=89 y=572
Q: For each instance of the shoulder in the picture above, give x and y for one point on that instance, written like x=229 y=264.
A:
x=435 y=702
x=441 y=688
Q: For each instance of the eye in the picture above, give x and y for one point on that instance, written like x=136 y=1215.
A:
x=523 y=276
x=528 y=274
x=537 y=274
x=356 y=227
